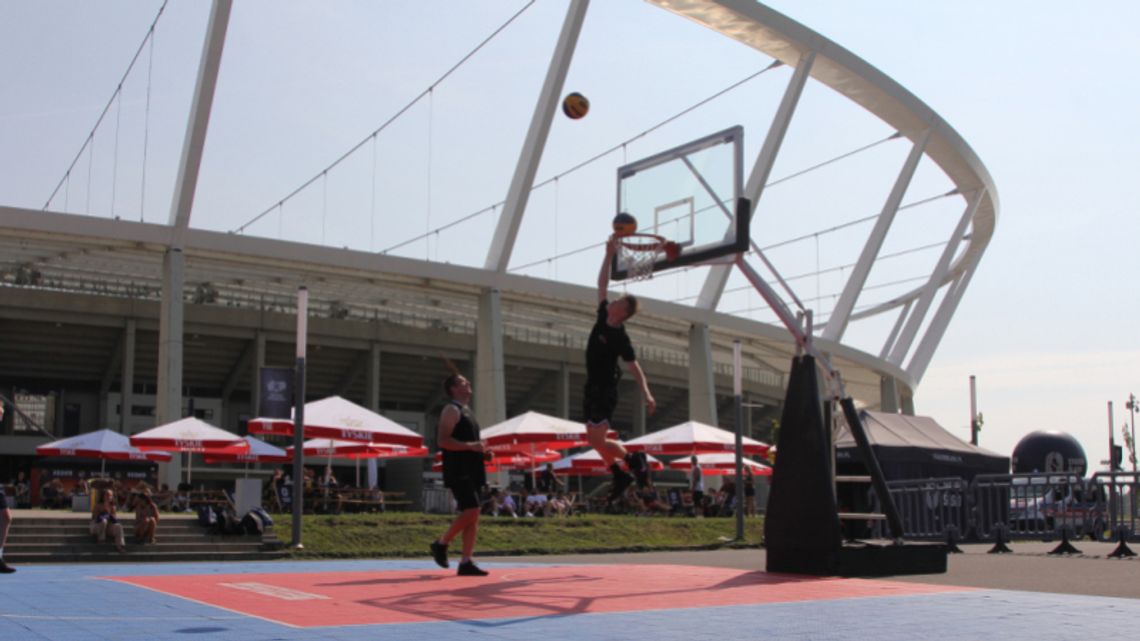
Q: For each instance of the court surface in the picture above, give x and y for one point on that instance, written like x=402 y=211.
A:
x=603 y=597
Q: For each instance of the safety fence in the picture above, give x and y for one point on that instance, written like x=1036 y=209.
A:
x=1017 y=507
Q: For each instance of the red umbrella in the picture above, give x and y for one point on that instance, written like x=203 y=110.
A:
x=337 y=418
x=508 y=460
x=592 y=461
x=720 y=464
x=357 y=450
x=693 y=438
x=100 y=444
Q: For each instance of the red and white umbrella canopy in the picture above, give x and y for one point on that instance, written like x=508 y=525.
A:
x=693 y=438
x=509 y=460
x=100 y=444
x=253 y=450
x=591 y=463
x=357 y=450
x=532 y=428
x=187 y=435
x=341 y=419
x=720 y=464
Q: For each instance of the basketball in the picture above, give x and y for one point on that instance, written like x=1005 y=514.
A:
x=575 y=105
x=624 y=224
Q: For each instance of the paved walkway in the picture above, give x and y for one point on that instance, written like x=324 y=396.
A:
x=681 y=595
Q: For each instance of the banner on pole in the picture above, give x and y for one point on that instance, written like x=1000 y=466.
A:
x=276 y=392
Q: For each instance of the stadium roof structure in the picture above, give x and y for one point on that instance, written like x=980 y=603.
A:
x=48 y=255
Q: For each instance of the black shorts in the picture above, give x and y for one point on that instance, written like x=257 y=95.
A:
x=465 y=493
x=599 y=402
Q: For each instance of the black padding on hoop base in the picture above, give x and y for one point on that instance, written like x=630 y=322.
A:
x=801 y=527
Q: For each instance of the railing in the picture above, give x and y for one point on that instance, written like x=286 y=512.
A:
x=1018 y=507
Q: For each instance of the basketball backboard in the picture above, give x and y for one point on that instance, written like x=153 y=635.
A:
x=689 y=195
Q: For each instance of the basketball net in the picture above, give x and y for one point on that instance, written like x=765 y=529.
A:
x=639 y=253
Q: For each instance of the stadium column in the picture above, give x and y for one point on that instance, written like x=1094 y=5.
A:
x=372 y=401
x=490 y=383
x=258 y=362
x=888 y=394
x=168 y=405
x=127 y=380
x=562 y=390
x=702 y=389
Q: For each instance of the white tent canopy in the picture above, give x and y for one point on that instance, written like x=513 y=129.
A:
x=692 y=437
x=338 y=418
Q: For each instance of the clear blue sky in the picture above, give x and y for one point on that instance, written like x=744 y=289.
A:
x=1042 y=91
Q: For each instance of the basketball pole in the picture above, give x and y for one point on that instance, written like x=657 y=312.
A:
x=738 y=402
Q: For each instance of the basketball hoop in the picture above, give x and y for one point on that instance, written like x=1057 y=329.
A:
x=639 y=253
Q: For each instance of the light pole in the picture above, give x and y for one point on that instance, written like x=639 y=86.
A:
x=1131 y=405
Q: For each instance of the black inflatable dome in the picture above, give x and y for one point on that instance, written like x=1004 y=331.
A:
x=1049 y=451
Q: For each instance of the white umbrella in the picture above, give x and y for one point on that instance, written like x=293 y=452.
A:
x=338 y=418
x=720 y=464
x=591 y=461
x=533 y=428
x=100 y=444
x=356 y=450
x=187 y=435
x=693 y=438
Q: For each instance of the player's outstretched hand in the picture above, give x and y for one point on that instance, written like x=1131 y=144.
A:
x=650 y=405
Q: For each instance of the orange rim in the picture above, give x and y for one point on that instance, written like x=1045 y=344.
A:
x=643 y=242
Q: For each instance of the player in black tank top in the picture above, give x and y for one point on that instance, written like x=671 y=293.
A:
x=609 y=342
x=463 y=472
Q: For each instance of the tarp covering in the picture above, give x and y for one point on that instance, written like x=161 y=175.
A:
x=915 y=447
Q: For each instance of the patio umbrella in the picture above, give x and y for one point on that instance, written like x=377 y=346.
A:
x=693 y=438
x=101 y=444
x=532 y=432
x=356 y=450
x=720 y=464
x=514 y=460
x=337 y=418
x=592 y=461
x=187 y=435
x=252 y=450
x=533 y=428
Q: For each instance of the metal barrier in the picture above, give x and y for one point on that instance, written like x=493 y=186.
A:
x=929 y=507
x=437 y=500
x=1120 y=493
x=1022 y=506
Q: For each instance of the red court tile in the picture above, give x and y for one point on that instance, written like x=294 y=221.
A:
x=405 y=596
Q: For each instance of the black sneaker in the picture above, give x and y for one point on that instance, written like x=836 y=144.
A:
x=622 y=480
x=468 y=568
x=439 y=553
x=5 y=568
x=638 y=464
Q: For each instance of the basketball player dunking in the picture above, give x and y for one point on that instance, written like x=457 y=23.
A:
x=608 y=341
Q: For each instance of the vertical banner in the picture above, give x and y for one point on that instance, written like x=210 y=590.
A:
x=276 y=392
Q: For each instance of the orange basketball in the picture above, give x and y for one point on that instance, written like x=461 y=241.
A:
x=575 y=105
x=625 y=224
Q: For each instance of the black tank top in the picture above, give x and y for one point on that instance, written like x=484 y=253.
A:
x=464 y=464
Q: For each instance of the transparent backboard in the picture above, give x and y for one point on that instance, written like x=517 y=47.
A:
x=689 y=195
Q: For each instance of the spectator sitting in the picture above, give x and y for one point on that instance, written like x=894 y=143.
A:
x=726 y=498
x=503 y=502
x=651 y=500
x=535 y=504
x=146 y=517
x=181 y=501
x=105 y=520
x=558 y=505
x=273 y=490
x=23 y=490
x=164 y=498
